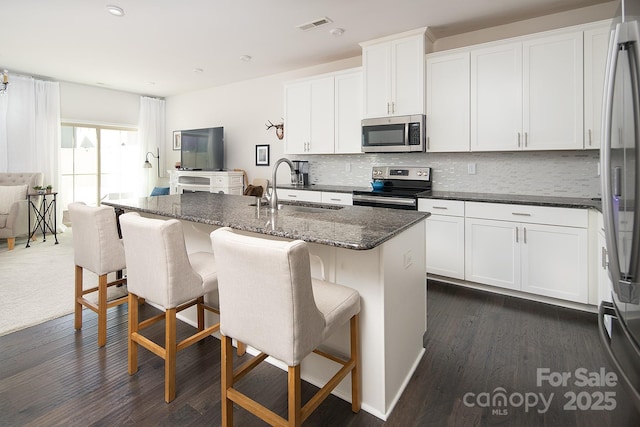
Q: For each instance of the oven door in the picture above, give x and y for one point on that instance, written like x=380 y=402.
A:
x=386 y=201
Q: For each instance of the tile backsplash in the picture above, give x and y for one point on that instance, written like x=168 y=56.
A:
x=542 y=173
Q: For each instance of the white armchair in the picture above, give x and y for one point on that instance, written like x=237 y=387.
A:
x=13 y=204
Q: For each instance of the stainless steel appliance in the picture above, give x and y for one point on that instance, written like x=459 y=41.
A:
x=620 y=159
x=394 y=134
x=400 y=190
x=300 y=173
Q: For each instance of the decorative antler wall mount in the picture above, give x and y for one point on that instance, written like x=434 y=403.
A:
x=279 y=128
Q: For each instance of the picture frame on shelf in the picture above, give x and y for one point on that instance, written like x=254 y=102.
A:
x=177 y=140
x=262 y=155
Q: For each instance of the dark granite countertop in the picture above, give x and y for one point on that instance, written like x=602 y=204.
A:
x=563 y=202
x=351 y=227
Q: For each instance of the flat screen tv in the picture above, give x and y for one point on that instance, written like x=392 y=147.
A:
x=202 y=149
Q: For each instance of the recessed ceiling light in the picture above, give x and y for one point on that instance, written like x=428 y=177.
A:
x=337 y=32
x=198 y=70
x=245 y=58
x=115 y=10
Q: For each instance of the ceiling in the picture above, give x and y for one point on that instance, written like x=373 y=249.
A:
x=156 y=46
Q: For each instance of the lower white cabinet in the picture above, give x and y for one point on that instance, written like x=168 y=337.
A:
x=547 y=255
x=445 y=237
x=313 y=196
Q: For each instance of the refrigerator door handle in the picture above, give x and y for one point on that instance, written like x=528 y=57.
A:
x=605 y=160
x=635 y=242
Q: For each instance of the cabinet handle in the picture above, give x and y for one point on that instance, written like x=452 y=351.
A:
x=518 y=139
x=440 y=207
x=335 y=200
x=428 y=142
x=393 y=108
x=589 y=137
x=524 y=234
x=388 y=108
x=517 y=232
x=520 y=214
x=293 y=196
x=604 y=258
x=526 y=139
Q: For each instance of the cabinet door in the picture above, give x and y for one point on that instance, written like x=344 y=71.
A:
x=407 y=76
x=445 y=246
x=322 y=116
x=492 y=253
x=596 y=43
x=496 y=98
x=297 y=116
x=552 y=92
x=376 y=63
x=348 y=104
x=554 y=262
x=448 y=103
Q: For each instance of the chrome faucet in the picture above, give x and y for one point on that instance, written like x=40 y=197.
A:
x=274 y=194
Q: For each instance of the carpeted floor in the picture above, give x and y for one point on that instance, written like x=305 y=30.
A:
x=37 y=283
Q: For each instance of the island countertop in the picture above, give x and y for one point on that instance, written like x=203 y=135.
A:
x=351 y=227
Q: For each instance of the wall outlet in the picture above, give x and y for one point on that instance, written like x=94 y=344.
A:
x=408 y=259
x=471 y=168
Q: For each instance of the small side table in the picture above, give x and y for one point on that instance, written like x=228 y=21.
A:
x=44 y=214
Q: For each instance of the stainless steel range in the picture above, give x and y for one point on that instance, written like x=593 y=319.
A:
x=400 y=187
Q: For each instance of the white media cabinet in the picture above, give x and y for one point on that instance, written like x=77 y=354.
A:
x=212 y=181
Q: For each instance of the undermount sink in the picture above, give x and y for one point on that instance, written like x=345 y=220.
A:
x=304 y=207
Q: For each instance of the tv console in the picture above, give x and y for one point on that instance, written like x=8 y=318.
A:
x=182 y=181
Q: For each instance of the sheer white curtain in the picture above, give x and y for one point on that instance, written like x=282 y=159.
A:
x=151 y=134
x=30 y=128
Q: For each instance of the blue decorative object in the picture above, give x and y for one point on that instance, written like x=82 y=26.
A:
x=377 y=185
x=160 y=191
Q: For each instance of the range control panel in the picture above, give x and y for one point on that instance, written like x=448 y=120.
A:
x=407 y=172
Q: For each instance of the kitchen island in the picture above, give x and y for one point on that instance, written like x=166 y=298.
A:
x=378 y=252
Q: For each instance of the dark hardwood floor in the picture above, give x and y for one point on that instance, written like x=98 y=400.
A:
x=476 y=343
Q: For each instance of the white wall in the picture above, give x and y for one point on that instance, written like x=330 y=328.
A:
x=243 y=109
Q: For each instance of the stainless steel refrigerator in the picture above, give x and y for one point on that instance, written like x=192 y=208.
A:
x=619 y=320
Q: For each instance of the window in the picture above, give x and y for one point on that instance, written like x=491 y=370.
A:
x=97 y=162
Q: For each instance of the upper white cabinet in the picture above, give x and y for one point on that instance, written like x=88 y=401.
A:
x=348 y=112
x=323 y=114
x=528 y=95
x=393 y=75
x=596 y=43
x=448 y=102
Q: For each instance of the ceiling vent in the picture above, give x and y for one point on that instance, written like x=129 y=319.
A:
x=314 y=24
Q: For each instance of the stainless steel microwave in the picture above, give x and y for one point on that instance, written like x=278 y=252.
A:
x=401 y=134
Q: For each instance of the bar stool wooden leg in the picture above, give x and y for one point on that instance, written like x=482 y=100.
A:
x=171 y=351
x=226 y=380
x=102 y=310
x=133 y=329
x=77 y=305
x=295 y=416
x=355 y=355
x=201 y=314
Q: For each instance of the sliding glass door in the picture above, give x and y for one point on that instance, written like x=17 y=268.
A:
x=97 y=162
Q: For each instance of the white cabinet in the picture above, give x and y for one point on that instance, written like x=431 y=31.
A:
x=309 y=116
x=348 y=112
x=596 y=43
x=393 y=76
x=448 y=102
x=211 y=181
x=540 y=250
x=332 y=198
x=313 y=196
x=445 y=237
x=323 y=114
x=299 y=195
x=528 y=95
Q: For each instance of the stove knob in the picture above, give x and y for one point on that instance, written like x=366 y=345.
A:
x=419 y=173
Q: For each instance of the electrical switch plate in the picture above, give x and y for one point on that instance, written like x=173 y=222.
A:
x=471 y=168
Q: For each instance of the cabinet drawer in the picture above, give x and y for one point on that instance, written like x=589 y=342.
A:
x=226 y=180
x=531 y=214
x=337 y=198
x=300 y=195
x=441 y=207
